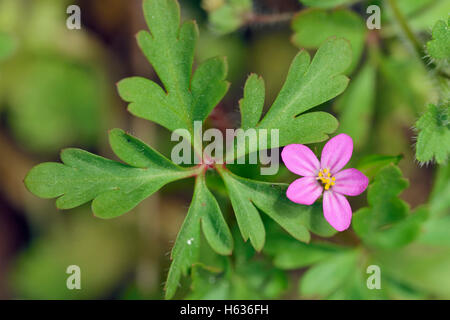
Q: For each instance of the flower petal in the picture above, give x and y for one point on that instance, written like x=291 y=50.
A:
x=304 y=191
x=336 y=153
x=337 y=210
x=350 y=182
x=300 y=159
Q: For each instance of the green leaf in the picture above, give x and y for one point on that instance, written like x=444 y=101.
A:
x=372 y=164
x=149 y=101
x=251 y=105
x=248 y=195
x=356 y=106
x=307 y=86
x=204 y=212
x=169 y=46
x=433 y=140
x=313 y=26
x=325 y=3
x=439 y=47
x=247 y=215
x=387 y=223
x=327 y=276
x=209 y=86
x=115 y=188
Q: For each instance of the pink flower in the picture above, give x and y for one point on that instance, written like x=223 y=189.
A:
x=325 y=176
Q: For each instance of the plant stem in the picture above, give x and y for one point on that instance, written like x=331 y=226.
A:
x=400 y=19
x=268 y=18
x=413 y=40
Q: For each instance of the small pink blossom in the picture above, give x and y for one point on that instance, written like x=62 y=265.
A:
x=325 y=177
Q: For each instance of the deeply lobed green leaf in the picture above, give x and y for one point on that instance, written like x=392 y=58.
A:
x=204 y=212
x=247 y=196
x=433 y=140
x=115 y=188
x=439 y=47
x=169 y=46
x=308 y=85
x=387 y=222
x=251 y=105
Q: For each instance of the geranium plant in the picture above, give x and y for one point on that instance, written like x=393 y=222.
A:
x=189 y=92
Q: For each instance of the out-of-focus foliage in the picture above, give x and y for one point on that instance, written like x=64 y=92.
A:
x=325 y=3
x=7 y=45
x=313 y=27
x=50 y=81
x=227 y=15
x=356 y=106
x=40 y=272
x=62 y=94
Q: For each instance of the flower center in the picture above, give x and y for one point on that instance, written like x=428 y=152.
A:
x=325 y=177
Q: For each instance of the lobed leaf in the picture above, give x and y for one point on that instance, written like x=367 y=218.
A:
x=433 y=140
x=249 y=195
x=169 y=46
x=209 y=86
x=204 y=212
x=308 y=85
x=372 y=164
x=251 y=105
x=115 y=188
x=387 y=223
x=439 y=47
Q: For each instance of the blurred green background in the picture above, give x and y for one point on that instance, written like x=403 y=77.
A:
x=57 y=90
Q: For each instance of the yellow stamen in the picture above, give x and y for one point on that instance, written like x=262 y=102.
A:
x=325 y=177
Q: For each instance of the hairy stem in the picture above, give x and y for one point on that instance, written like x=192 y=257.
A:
x=415 y=43
x=403 y=24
